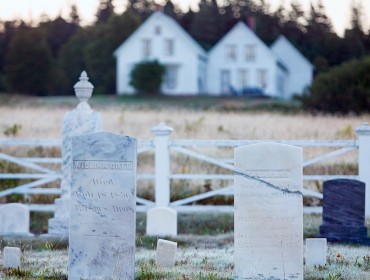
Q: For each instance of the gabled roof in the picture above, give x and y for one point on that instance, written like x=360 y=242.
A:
x=248 y=33
x=283 y=41
x=170 y=23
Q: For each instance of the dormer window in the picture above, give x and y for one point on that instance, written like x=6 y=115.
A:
x=250 y=52
x=230 y=52
x=169 y=47
x=146 y=47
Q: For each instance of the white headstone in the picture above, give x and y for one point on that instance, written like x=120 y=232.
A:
x=12 y=257
x=166 y=252
x=103 y=202
x=316 y=249
x=268 y=218
x=161 y=221
x=14 y=219
x=79 y=121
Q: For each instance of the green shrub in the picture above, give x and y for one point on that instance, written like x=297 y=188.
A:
x=147 y=77
x=344 y=89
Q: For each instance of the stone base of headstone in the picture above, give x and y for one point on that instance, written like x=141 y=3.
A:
x=12 y=257
x=59 y=225
x=345 y=234
x=161 y=221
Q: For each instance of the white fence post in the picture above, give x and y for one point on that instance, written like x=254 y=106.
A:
x=162 y=164
x=363 y=133
x=162 y=220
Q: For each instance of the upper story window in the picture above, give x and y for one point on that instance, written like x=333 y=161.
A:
x=169 y=47
x=157 y=30
x=146 y=47
x=230 y=52
x=250 y=52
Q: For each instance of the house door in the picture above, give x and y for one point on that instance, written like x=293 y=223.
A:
x=225 y=81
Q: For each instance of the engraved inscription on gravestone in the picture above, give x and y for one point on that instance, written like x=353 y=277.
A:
x=102 y=208
x=268 y=226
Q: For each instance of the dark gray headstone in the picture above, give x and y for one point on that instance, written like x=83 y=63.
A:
x=344 y=212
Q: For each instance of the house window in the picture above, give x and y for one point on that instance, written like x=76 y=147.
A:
x=169 y=47
x=170 y=79
x=157 y=30
x=243 y=79
x=250 y=52
x=225 y=81
x=146 y=47
x=231 y=53
x=262 y=78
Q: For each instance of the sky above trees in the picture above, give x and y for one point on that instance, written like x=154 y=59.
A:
x=338 y=11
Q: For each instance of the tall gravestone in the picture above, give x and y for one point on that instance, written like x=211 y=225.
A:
x=344 y=211
x=268 y=217
x=79 y=121
x=102 y=207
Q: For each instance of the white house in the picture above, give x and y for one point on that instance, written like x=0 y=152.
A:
x=160 y=37
x=239 y=64
x=299 y=68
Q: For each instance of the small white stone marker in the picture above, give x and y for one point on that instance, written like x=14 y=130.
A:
x=316 y=251
x=161 y=221
x=12 y=257
x=166 y=252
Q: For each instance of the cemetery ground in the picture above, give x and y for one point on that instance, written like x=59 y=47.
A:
x=205 y=241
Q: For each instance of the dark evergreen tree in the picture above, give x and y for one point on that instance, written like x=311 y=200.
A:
x=58 y=32
x=320 y=38
x=29 y=65
x=207 y=25
x=105 y=11
x=354 y=41
x=98 y=53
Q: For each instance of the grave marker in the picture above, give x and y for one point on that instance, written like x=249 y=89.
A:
x=81 y=120
x=268 y=218
x=12 y=257
x=103 y=200
x=161 y=221
x=316 y=249
x=14 y=219
x=344 y=211
x=166 y=252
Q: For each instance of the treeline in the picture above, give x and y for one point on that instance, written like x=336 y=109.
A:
x=47 y=58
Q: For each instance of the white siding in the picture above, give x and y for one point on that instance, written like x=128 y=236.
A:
x=161 y=31
x=241 y=50
x=299 y=68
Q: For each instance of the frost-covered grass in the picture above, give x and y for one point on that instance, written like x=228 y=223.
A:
x=195 y=262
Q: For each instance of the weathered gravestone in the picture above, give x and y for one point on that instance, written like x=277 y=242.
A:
x=79 y=121
x=12 y=257
x=344 y=211
x=315 y=253
x=166 y=253
x=102 y=208
x=14 y=219
x=161 y=221
x=268 y=217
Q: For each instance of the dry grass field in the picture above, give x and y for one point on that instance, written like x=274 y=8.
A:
x=42 y=118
